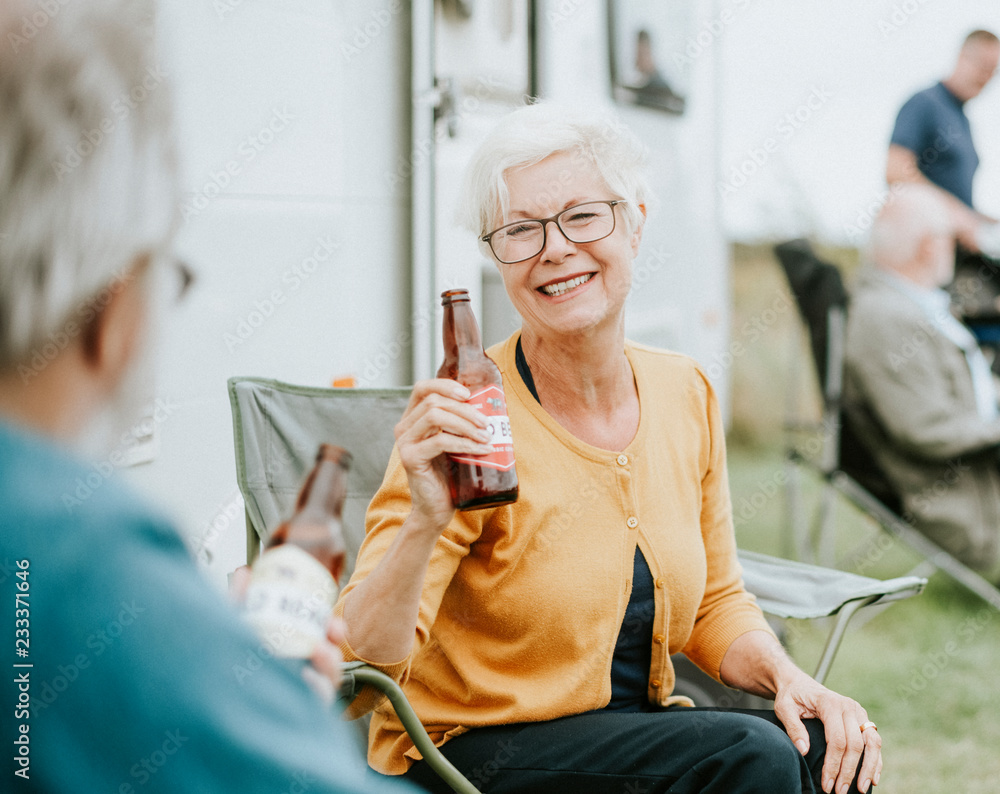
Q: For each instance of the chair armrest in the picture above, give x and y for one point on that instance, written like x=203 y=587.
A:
x=790 y=589
x=356 y=675
x=796 y=590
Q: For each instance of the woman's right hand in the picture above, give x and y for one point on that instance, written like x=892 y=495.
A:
x=437 y=420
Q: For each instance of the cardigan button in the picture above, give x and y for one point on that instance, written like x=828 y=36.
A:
x=659 y=639
x=632 y=522
x=655 y=684
x=622 y=460
x=659 y=583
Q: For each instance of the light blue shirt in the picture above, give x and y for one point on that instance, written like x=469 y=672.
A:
x=142 y=678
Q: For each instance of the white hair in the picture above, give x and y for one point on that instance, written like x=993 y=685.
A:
x=88 y=179
x=530 y=134
x=912 y=213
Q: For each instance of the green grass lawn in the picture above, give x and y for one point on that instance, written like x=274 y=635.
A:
x=927 y=668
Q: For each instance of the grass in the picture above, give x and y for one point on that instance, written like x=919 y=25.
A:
x=923 y=668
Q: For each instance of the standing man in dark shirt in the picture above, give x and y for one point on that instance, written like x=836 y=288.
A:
x=932 y=141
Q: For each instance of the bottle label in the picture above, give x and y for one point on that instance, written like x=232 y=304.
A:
x=490 y=402
x=289 y=600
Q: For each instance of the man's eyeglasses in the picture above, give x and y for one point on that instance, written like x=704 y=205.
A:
x=184 y=277
x=174 y=278
x=582 y=223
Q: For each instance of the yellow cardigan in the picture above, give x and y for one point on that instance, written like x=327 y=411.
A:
x=522 y=604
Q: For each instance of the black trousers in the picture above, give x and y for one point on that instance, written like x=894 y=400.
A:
x=677 y=750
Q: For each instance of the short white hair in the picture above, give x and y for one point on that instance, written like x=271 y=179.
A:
x=88 y=177
x=530 y=134
x=912 y=213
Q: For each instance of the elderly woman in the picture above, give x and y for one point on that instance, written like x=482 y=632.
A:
x=534 y=639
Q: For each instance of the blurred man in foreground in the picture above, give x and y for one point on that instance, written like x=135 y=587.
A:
x=129 y=673
x=917 y=389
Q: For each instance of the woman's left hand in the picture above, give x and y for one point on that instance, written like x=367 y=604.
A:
x=843 y=719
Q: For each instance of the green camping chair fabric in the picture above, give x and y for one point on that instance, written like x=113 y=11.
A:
x=278 y=428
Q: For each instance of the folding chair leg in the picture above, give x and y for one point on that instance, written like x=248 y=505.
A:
x=826 y=545
x=961 y=574
x=795 y=536
x=793 y=501
x=837 y=635
x=816 y=543
x=432 y=755
x=936 y=556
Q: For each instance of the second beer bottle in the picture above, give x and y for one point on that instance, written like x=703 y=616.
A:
x=477 y=481
x=294 y=582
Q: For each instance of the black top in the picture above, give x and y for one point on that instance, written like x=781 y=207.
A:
x=524 y=371
x=634 y=648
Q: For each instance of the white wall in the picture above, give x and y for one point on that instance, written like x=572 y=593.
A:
x=680 y=295
x=293 y=121
x=486 y=59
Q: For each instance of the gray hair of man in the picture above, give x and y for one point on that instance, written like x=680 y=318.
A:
x=598 y=142
x=912 y=213
x=980 y=36
x=88 y=177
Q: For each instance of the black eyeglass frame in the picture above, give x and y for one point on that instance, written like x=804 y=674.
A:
x=186 y=276
x=488 y=238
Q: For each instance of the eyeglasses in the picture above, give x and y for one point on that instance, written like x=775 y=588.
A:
x=184 y=277
x=172 y=278
x=582 y=223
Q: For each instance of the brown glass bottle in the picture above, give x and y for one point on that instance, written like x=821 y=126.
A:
x=477 y=481
x=315 y=525
x=293 y=585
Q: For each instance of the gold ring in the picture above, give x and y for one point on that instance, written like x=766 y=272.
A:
x=868 y=725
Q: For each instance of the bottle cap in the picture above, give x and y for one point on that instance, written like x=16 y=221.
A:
x=454 y=296
x=338 y=455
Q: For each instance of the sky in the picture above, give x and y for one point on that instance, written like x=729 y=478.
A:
x=809 y=94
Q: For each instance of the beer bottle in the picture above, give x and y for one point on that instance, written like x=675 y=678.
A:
x=477 y=481
x=294 y=582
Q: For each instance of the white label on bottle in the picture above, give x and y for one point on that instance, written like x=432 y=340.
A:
x=289 y=600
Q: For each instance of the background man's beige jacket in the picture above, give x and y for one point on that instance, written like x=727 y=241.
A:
x=908 y=395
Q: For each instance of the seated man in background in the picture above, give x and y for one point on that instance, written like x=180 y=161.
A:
x=917 y=389
x=130 y=672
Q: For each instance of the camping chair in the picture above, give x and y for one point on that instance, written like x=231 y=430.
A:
x=277 y=428
x=843 y=464
x=822 y=300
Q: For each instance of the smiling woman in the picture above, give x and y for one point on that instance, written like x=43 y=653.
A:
x=547 y=625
